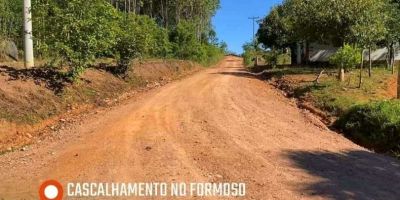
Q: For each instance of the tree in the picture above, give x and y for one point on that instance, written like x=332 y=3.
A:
x=392 y=35
x=81 y=30
x=346 y=58
x=360 y=22
x=74 y=33
x=249 y=53
x=185 y=43
x=369 y=28
x=139 y=36
x=10 y=25
x=274 y=31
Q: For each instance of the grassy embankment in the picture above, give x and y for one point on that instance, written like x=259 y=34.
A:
x=369 y=115
x=337 y=98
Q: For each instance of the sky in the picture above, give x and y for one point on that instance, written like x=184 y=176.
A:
x=232 y=24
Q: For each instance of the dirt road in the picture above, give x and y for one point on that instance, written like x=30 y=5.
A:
x=219 y=125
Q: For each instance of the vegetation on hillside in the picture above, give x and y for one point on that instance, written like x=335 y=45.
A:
x=375 y=125
x=272 y=57
x=347 y=57
x=75 y=33
x=355 y=27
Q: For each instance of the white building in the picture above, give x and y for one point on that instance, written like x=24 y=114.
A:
x=322 y=53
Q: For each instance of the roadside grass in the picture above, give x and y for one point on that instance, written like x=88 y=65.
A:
x=338 y=97
x=374 y=125
x=281 y=59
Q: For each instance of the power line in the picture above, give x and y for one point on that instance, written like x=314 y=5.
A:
x=254 y=38
x=254 y=27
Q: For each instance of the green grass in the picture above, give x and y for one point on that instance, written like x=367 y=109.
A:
x=374 y=125
x=28 y=117
x=284 y=59
x=337 y=97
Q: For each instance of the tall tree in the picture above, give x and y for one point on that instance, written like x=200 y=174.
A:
x=369 y=28
x=357 y=22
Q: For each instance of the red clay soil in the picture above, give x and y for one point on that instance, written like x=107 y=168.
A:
x=30 y=105
x=219 y=125
x=392 y=87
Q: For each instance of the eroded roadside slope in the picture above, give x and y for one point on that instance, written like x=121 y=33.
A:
x=38 y=101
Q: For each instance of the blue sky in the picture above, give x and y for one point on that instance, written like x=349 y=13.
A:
x=232 y=24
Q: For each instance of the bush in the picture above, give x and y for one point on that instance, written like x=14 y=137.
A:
x=140 y=36
x=72 y=34
x=186 y=45
x=80 y=30
x=249 y=54
x=374 y=125
x=347 y=56
x=272 y=57
x=184 y=42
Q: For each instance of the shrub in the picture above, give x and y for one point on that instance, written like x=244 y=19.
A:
x=186 y=45
x=347 y=56
x=140 y=36
x=80 y=30
x=375 y=125
x=11 y=24
x=214 y=54
x=249 y=54
x=271 y=58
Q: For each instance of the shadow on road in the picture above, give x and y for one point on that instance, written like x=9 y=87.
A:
x=244 y=74
x=268 y=74
x=350 y=175
x=239 y=72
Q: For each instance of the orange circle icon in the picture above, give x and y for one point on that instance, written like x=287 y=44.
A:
x=51 y=190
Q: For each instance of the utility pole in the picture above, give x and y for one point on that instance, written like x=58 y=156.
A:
x=28 y=36
x=254 y=38
x=254 y=27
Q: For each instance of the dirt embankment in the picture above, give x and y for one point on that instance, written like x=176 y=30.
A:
x=35 y=101
x=288 y=84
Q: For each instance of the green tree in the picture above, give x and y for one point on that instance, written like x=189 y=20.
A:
x=393 y=31
x=369 y=28
x=76 y=32
x=345 y=58
x=11 y=20
x=140 y=37
x=80 y=30
x=274 y=31
x=185 y=43
x=361 y=22
x=249 y=53
x=393 y=35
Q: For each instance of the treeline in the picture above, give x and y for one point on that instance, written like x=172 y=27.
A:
x=362 y=24
x=169 y=13
x=355 y=26
x=10 y=24
x=75 y=32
